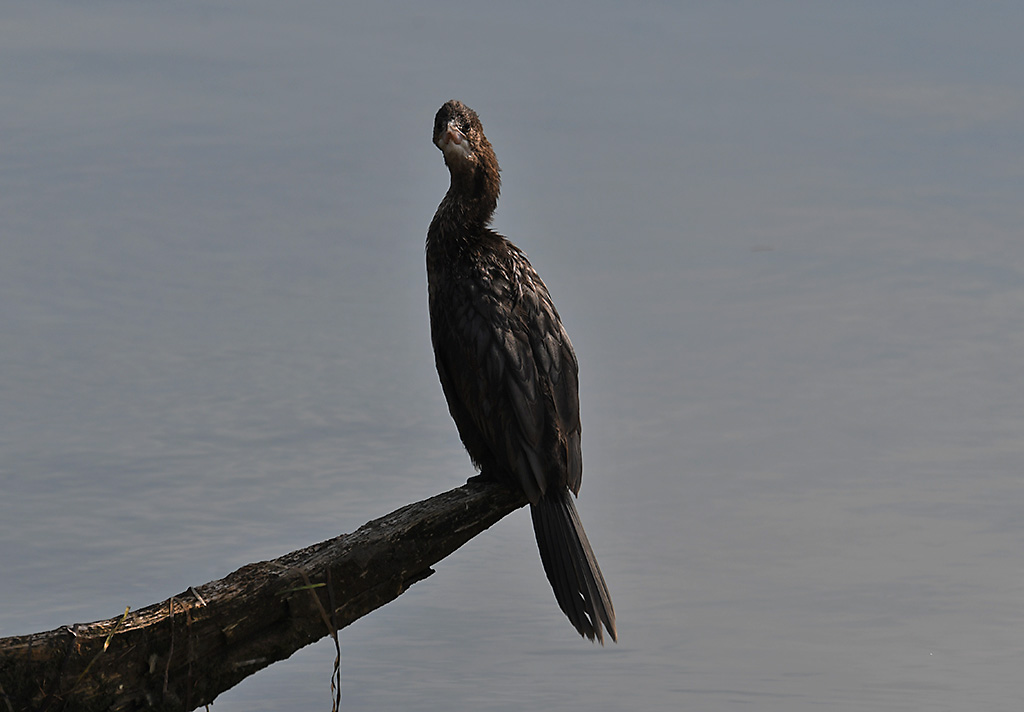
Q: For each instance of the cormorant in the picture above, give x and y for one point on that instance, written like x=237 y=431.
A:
x=507 y=368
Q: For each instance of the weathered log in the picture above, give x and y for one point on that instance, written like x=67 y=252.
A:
x=181 y=653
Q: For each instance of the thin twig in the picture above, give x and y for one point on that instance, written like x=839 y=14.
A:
x=106 y=644
x=316 y=599
x=191 y=654
x=170 y=650
x=329 y=622
x=336 y=676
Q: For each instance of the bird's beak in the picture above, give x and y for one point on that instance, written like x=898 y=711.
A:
x=455 y=136
x=451 y=136
x=453 y=143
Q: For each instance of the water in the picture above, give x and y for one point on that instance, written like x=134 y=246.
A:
x=785 y=241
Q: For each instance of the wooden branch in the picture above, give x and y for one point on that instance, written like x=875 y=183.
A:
x=181 y=653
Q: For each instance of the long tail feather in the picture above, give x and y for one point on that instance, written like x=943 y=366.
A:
x=571 y=566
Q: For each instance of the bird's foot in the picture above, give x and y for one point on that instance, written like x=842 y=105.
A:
x=482 y=478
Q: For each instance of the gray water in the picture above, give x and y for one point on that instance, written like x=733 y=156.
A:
x=785 y=238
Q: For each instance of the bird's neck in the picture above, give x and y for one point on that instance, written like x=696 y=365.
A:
x=472 y=196
x=461 y=216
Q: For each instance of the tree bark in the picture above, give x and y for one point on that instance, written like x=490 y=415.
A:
x=181 y=653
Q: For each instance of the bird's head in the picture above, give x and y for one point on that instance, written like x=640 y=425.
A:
x=460 y=136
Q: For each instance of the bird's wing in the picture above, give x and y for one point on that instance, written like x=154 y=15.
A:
x=510 y=376
x=556 y=364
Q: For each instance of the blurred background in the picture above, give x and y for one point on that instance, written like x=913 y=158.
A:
x=784 y=237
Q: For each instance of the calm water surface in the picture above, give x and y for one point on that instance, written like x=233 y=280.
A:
x=785 y=240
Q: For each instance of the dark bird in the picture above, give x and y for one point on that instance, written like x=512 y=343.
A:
x=507 y=368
